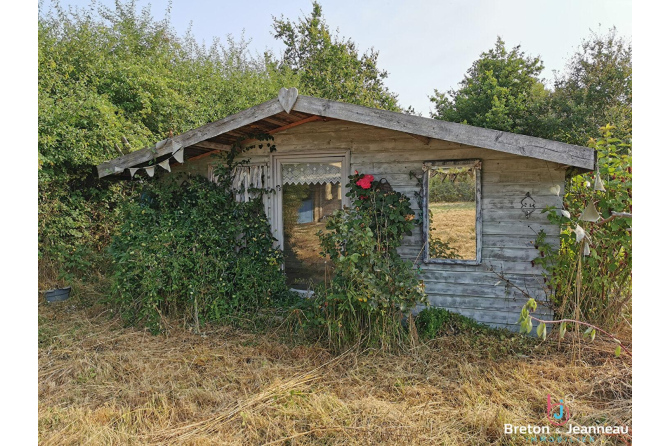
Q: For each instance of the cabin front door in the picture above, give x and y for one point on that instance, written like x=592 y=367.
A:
x=309 y=190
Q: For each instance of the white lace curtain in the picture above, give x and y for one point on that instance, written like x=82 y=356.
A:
x=311 y=173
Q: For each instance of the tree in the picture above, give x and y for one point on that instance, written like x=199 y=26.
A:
x=112 y=80
x=595 y=89
x=118 y=72
x=500 y=91
x=329 y=66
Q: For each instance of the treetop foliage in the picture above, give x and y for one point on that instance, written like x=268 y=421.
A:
x=502 y=90
x=329 y=66
x=595 y=89
x=498 y=91
x=108 y=74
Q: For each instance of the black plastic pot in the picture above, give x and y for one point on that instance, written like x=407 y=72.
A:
x=58 y=295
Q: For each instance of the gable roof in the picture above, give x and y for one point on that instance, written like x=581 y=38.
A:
x=290 y=109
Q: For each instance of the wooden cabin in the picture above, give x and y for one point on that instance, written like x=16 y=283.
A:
x=483 y=190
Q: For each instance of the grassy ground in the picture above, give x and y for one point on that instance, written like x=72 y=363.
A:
x=454 y=223
x=102 y=383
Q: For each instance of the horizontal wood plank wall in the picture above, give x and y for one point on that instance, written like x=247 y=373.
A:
x=507 y=235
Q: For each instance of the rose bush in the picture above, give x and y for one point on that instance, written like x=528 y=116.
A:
x=373 y=290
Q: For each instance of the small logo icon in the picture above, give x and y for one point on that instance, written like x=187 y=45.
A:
x=558 y=413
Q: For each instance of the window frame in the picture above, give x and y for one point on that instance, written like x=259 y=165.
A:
x=476 y=164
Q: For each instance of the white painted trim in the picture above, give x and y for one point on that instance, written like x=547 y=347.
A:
x=305 y=294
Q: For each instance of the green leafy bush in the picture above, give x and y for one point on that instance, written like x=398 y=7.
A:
x=591 y=277
x=432 y=322
x=373 y=289
x=114 y=80
x=76 y=220
x=186 y=247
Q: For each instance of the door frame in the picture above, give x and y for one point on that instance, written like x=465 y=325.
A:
x=276 y=160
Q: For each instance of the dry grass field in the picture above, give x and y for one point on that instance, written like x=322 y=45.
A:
x=102 y=383
x=454 y=223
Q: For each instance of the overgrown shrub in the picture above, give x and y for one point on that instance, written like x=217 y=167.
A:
x=432 y=322
x=595 y=284
x=76 y=220
x=98 y=98
x=373 y=289
x=186 y=247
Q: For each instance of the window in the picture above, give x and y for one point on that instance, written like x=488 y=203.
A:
x=452 y=227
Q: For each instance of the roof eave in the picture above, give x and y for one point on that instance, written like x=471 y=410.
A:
x=523 y=145
x=191 y=137
x=576 y=156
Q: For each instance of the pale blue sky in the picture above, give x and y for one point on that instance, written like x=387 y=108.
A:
x=422 y=44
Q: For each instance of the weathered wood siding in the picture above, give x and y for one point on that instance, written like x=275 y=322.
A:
x=507 y=235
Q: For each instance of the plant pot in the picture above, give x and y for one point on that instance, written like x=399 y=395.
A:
x=58 y=295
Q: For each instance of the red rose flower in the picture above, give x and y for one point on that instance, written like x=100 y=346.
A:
x=365 y=182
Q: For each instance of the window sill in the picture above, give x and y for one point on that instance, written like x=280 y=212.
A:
x=451 y=262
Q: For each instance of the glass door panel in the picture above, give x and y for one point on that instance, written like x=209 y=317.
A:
x=311 y=192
